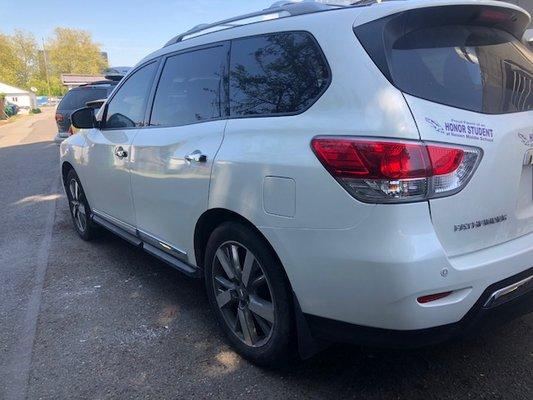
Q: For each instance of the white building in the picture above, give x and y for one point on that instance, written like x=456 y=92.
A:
x=22 y=98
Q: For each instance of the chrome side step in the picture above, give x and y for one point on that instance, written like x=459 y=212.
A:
x=189 y=270
x=117 y=230
x=142 y=240
x=509 y=292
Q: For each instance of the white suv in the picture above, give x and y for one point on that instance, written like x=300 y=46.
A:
x=358 y=173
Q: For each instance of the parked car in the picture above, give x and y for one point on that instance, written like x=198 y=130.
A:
x=77 y=98
x=355 y=174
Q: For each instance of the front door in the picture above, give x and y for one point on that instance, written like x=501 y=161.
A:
x=106 y=176
x=172 y=158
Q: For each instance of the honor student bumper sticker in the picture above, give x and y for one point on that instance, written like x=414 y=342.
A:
x=463 y=129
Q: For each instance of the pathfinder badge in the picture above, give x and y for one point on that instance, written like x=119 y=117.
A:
x=480 y=223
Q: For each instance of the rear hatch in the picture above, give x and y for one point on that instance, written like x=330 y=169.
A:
x=469 y=81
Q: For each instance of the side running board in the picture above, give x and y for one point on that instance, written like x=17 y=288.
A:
x=117 y=231
x=182 y=266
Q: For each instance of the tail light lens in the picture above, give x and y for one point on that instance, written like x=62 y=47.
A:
x=376 y=171
x=59 y=117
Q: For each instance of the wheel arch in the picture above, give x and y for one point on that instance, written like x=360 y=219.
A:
x=213 y=218
x=66 y=167
x=207 y=223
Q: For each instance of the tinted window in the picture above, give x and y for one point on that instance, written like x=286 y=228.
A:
x=190 y=88
x=470 y=67
x=464 y=56
x=77 y=98
x=276 y=74
x=126 y=108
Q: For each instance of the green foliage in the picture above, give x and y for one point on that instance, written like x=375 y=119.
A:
x=35 y=111
x=72 y=51
x=68 y=51
x=9 y=62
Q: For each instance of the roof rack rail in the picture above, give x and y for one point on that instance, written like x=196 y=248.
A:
x=282 y=8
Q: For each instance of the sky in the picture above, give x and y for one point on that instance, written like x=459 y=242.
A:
x=127 y=30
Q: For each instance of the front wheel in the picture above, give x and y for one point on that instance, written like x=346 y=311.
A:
x=249 y=293
x=79 y=208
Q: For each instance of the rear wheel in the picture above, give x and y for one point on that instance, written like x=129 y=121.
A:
x=79 y=208
x=249 y=294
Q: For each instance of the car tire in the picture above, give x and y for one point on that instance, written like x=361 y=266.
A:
x=80 y=211
x=249 y=294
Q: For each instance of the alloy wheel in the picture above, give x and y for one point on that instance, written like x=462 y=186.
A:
x=243 y=294
x=77 y=206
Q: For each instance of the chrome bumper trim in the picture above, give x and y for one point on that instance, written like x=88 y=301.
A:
x=523 y=286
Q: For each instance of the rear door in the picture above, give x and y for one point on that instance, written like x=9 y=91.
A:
x=468 y=80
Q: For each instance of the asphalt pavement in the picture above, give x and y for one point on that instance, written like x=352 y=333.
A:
x=103 y=320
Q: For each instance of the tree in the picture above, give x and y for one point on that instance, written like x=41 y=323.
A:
x=73 y=51
x=69 y=51
x=9 y=62
x=26 y=50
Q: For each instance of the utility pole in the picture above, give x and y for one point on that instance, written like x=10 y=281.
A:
x=46 y=69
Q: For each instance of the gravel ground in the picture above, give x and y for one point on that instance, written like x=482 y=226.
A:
x=103 y=320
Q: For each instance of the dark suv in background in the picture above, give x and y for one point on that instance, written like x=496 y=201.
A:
x=77 y=98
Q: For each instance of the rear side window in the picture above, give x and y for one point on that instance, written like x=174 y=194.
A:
x=475 y=67
x=127 y=107
x=77 y=98
x=191 y=88
x=281 y=73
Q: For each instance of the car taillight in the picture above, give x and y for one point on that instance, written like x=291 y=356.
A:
x=59 y=117
x=382 y=171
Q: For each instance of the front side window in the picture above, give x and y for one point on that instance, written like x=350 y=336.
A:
x=127 y=107
x=281 y=73
x=191 y=88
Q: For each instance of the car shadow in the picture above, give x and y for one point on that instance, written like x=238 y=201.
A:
x=481 y=366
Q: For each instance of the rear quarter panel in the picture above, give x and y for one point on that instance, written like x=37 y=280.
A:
x=359 y=101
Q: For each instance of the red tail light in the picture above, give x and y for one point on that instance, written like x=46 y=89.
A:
x=387 y=171
x=433 y=297
x=444 y=160
x=490 y=15
x=59 y=117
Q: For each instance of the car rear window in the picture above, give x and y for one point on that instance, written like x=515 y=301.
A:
x=472 y=67
x=77 y=98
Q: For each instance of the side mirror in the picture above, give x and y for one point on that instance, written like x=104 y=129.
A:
x=83 y=118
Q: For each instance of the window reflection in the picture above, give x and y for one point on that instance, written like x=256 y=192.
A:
x=276 y=74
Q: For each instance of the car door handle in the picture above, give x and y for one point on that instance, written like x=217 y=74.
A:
x=120 y=152
x=196 y=156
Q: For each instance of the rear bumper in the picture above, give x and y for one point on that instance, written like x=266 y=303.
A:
x=60 y=137
x=500 y=303
x=373 y=274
